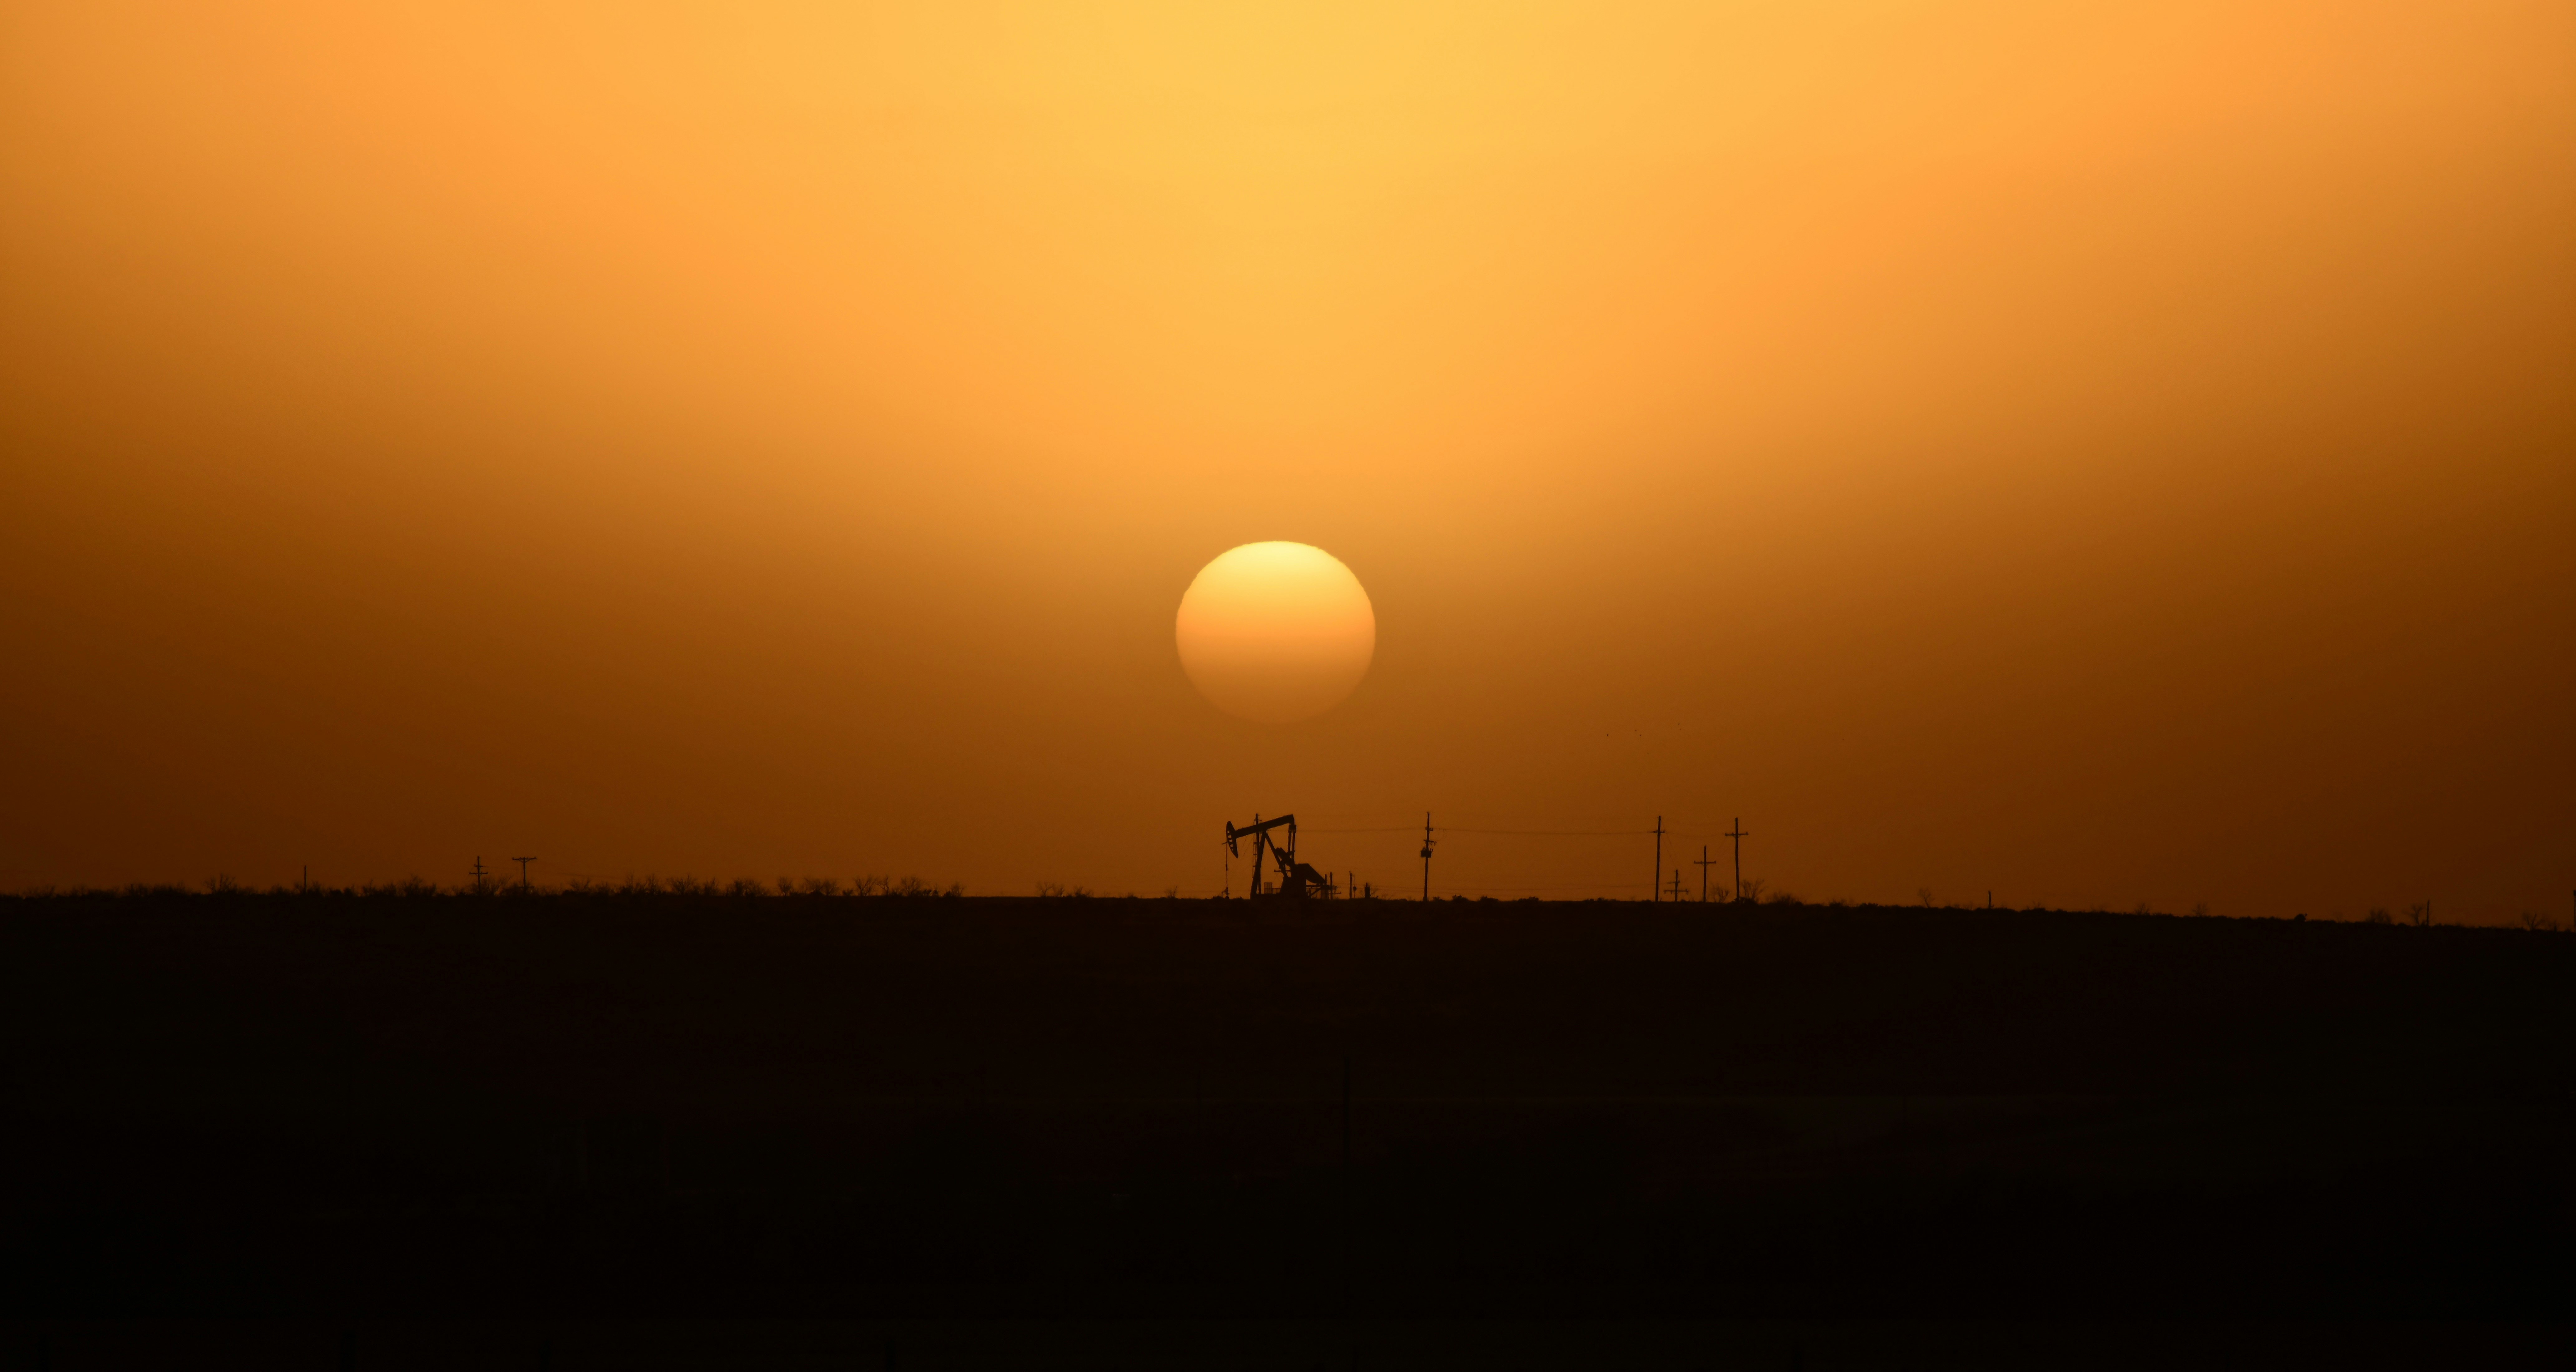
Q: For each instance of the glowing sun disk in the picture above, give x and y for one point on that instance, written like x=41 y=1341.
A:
x=1275 y=632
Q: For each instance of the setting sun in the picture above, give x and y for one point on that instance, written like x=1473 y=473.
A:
x=1276 y=632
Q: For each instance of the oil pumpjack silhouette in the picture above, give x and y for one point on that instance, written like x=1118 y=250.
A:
x=1297 y=881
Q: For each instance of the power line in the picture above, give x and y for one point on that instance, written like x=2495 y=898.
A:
x=1580 y=886
x=1583 y=891
x=1522 y=833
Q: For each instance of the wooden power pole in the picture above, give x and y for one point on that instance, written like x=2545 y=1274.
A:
x=1655 y=888
x=1703 y=864
x=1737 y=834
x=1426 y=857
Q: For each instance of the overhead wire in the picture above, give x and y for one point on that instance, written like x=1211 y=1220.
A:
x=1525 y=833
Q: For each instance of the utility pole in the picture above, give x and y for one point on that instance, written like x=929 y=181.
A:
x=1703 y=873
x=1426 y=857
x=1737 y=834
x=524 y=887
x=1676 y=888
x=1654 y=889
x=478 y=874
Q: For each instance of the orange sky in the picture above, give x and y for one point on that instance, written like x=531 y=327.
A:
x=2101 y=454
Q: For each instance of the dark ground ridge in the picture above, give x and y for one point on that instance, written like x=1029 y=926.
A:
x=618 y=1107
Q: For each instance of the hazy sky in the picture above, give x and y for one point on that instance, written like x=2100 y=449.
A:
x=2100 y=454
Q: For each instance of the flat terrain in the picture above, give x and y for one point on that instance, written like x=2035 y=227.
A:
x=825 y=1107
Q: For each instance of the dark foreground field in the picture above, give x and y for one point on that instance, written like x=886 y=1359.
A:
x=1574 y=1135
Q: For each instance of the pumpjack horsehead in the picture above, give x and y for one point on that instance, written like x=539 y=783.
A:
x=1297 y=881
